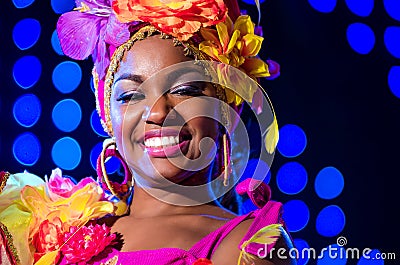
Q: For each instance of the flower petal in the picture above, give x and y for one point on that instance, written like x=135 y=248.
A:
x=244 y=25
x=75 y=42
x=251 y=44
x=116 y=33
x=233 y=40
x=256 y=67
x=223 y=36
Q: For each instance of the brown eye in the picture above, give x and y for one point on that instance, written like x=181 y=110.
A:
x=130 y=96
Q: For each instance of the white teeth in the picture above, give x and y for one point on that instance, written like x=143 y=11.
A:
x=165 y=140
x=161 y=141
x=156 y=141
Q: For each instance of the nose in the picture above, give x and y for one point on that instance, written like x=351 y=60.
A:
x=160 y=110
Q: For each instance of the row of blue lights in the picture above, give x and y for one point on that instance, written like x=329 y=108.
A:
x=66 y=115
x=360 y=8
x=66 y=76
x=292 y=178
x=361 y=39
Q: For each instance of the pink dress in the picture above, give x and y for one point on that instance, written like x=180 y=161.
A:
x=270 y=213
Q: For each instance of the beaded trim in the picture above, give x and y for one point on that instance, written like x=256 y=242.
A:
x=3 y=180
x=10 y=245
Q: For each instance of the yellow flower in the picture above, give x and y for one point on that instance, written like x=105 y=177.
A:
x=235 y=44
x=76 y=210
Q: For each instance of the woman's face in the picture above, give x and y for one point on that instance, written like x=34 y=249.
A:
x=161 y=115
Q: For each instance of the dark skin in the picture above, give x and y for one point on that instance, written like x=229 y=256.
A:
x=152 y=223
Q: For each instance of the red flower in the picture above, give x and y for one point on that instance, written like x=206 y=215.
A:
x=86 y=242
x=48 y=238
x=202 y=261
x=180 y=19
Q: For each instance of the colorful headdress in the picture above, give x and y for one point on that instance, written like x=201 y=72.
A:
x=213 y=28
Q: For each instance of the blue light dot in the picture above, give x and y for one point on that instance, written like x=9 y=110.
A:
x=67 y=76
x=292 y=140
x=62 y=6
x=330 y=221
x=392 y=40
x=296 y=215
x=361 y=38
x=394 y=80
x=360 y=8
x=96 y=124
x=26 y=71
x=372 y=257
x=392 y=8
x=291 y=178
x=257 y=169
x=66 y=153
x=55 y=43
x=329 y=183
x=67 y=115
x=27 y=109
x=252 y=2
x=22 y=3
x=324 y=6
x=26 y=149
x=302 y=250
x=332 y=255
x=26 y=33
x=112 y=164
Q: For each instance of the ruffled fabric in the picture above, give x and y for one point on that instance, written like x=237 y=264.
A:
x=15 y=215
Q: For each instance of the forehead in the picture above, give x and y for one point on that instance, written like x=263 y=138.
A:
x=151 y=55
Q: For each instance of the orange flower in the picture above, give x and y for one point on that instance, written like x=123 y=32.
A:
x=180 y=19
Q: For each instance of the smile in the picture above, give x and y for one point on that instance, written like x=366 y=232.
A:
x=166 y=142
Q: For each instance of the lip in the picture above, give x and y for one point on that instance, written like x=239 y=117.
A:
x=168 y=151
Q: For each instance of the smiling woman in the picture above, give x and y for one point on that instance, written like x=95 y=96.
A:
x=171 y=80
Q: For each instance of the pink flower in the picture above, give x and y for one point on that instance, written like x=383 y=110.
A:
x=86 y=243
x=49 y=237
x=59 y=187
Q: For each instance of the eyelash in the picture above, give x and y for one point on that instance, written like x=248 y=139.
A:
x=181 y=90
x=130 y=96
x=192 y=89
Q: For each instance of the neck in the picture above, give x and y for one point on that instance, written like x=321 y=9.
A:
x=151 y=203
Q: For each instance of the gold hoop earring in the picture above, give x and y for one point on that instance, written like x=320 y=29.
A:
x=227 y=160
x=120 y=191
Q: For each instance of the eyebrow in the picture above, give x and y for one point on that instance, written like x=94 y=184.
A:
x=182 y=71
x=135 y=78
x=171 y=76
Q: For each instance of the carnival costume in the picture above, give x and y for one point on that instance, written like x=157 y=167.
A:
x=56 y=221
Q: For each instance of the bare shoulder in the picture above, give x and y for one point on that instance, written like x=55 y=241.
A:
x=228 y=251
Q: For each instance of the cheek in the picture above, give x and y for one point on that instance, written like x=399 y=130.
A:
x=116 y=120
x=125 y=120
